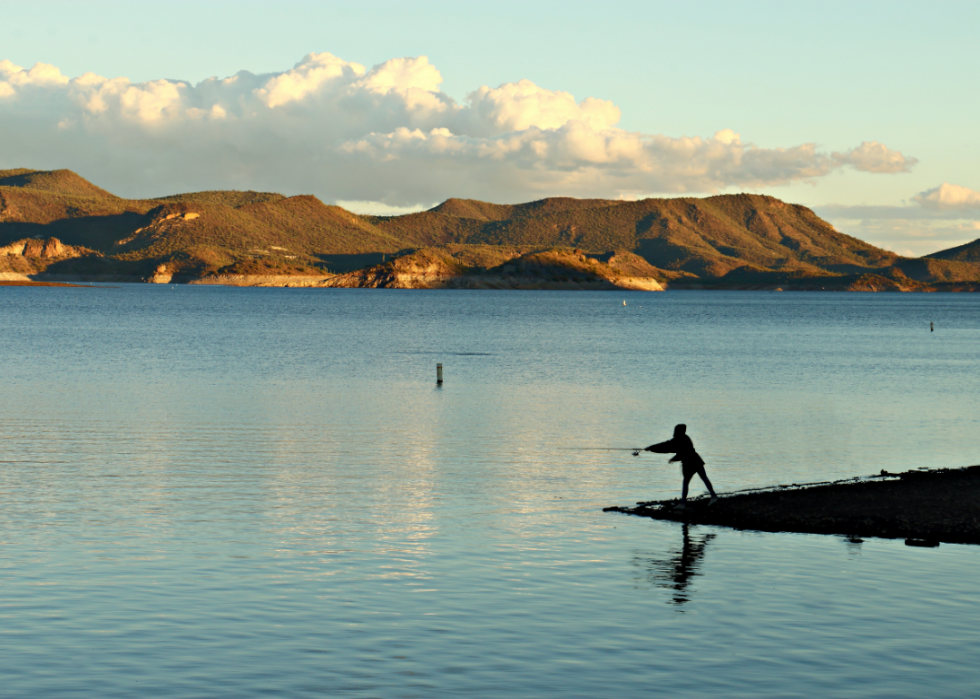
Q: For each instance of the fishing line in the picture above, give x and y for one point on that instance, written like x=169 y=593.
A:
x=636 y=450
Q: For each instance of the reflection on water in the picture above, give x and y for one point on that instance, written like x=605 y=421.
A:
x=678 y=570
x=853 y=544
x=246 y=492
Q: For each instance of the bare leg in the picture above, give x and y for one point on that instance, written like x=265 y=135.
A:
x=704 y=477
x=687 y=480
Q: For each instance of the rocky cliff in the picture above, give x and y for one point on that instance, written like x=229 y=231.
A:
x=458 y=267
x=22 y=259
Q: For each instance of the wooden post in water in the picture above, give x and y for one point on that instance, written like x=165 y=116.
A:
x=439 y=374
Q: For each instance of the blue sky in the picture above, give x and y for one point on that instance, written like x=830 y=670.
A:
x=805 y=86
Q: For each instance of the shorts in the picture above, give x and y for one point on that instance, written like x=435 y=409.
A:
x=691 y=470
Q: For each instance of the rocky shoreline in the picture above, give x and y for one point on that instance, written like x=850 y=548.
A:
x=442 y=267
x=449 y=266
x=924 y=507
x=28 y=282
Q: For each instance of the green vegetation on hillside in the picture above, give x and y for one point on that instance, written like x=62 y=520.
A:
x=63 y=182
x=970 y=252
x=459 y=266
x=728 y=239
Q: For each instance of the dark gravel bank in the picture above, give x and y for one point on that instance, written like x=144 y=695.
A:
x=923 y=507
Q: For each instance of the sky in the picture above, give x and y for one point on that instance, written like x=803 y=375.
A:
x=865 y=111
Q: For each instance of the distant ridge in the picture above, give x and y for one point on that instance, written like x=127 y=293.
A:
x=727 y=241
x=705 y=237
x=473 y=208
x=970 y=252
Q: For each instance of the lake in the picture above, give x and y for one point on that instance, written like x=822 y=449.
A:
x=210 y=492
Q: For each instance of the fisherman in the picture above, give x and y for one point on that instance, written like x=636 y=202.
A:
x=682 y=448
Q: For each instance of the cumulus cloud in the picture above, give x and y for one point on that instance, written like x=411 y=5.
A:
x=523 y=105
x=948 y=197
x=872 y=156
x=936 y=219
x=948 y=202
x=40 y=74
x=912 y=237
x=385 y=134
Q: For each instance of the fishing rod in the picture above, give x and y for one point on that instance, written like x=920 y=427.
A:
x=636 y=450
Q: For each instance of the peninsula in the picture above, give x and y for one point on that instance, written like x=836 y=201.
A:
x=924 y=507
x=55 y=226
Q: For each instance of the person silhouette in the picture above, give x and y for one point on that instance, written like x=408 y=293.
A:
x=682 y=448
x=678 y=572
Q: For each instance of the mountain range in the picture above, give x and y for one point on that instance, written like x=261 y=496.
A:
x=727 y=241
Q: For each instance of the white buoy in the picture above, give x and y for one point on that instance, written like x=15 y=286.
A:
x=624 y=302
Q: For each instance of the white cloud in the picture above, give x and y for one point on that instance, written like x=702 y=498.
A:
x=373 y=208
x=948 y=197
x=938 y=219
x=523 y=105
x=948 y=202
x=386 y=134
x=872 y=156
x=40 y=74
x=314 y=73
x=912 y=237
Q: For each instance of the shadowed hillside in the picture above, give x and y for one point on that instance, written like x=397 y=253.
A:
x=729 y=241
x=195 y=234
x=504 y=267
x=706 y=237
x=963 y=253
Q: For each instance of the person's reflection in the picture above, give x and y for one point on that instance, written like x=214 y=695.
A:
x=677 y=572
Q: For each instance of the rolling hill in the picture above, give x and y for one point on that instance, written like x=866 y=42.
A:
x=739 y=241
x=969 y=252
x=706 y=237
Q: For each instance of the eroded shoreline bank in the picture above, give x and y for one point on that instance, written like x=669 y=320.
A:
x=924 y=507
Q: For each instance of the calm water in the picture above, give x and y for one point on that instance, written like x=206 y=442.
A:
x=248 y=492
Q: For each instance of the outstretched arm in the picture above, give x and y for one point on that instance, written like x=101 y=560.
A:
x=663 y=447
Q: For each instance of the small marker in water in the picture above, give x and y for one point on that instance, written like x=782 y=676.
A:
x=439 y=374
x=930 y=327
